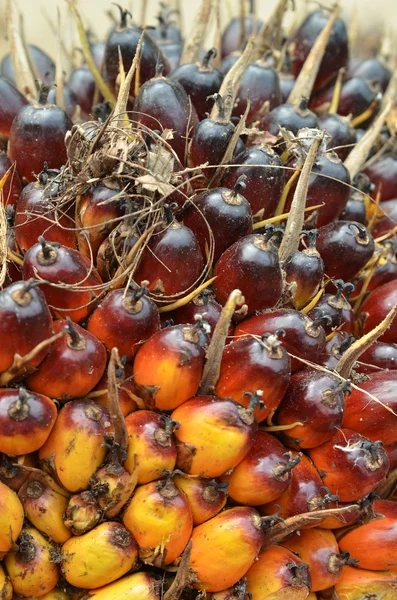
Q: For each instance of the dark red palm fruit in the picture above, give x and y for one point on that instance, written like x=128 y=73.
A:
x=303 y=337
x=380 y=356
x=123 y=39
x=260 y=83
x=250 y=364
x=343 y=135
x=172 y=261
x=383 y=174
x=249 y=265
x=13 y=186
x=80 y=283
x=203 y=305
x=378 y=536
x=386 y=270
x=287 y=82
x=26 y=421
x=12 y=471
x=214 y=435
x=350 y=465
x=25 y=322
x=125 y=319
x=374 y=419
x=69 y=99
x=334 y=309
x=264 y=474
x=387 y=218
x=98 y=215
x=319 y=549
x=168 y=367
x=304 y=271
x=44 y=64
x=229 y=60
x=37 y=135
x=336 y=54
x=289 y=116
x=376 y=306
x=340 y=239
x=206 y=497
x=234 y=35
x=162 y=103
x=316 y=399
x=12 y=101
x=356 y=97
x=199 y=80
x=334 y=349
x=72 y=366
x=305 y=493
x=371 y=69
x=82 y=83
x=125 y=387
x=265 y=178
x=37 y=214
x=226 y=213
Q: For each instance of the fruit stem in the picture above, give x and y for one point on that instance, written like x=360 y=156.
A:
x=183 y=577
x=214 y=353
x=240 y=186
x=333 y=108
x=124 y=13
x=43 y=94
x=77 y=340
x=116 y=416
x=220 y=106
x=207 y=57
x=19 y=410
x=352 y=354
x=292 y=462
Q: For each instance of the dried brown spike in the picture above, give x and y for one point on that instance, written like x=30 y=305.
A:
x=195 y=38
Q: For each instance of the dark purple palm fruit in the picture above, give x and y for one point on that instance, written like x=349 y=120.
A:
x=355 y=209
x=289 y=116
x=168 y=36
x=336 y=54
x=229 y=61
x=123 y=39
x=199 y=80
x=38 y=135
x=343 y=135
x=82 y=83
x=163 y=102
x=69 y=99
x=372 y=69
x=260 y=83
x=234 y=35
x=43 y=63
x=12 y=101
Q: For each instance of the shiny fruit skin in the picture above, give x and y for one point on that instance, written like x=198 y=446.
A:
x=356 y=584
x=11 y=518
x=232 y=538
x=249 y=365
x=210 y=139
x=343 y=135
x=159 y=515
x=378 y=535
x=350 y=465
x=30 y=568
x=138 y=586
x=214 y=435
x=151 y=445
x=206 y=497
x=123 y=321
x=26 y=421
x=383 y=173
x=70 y=369
x=260 y=83
x=168 y=367
x=13 y=186
x=75 y=447
x=379 y=356
x=376 y=306
x=12 y=101
x=263 y=475
x=100 y=556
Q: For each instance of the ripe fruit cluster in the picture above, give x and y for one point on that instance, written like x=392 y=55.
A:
x=198 y=288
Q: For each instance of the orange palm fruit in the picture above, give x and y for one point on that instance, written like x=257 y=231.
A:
x=225 y=547
x=276 y=570
x=75 y=447
x=375 y=542
x=12 y=471
x=151 y=445
x=126 y=389
x=11 y=519
x=26 y=420
x=361 y=584
x=44 y=503
x=214 y=435
x=319 y=549
x=138 y=586
x=100 y=556
x=31 y=568
x=160 y=519
x=206 y=497
x=264 y=474
x=5 y=585
x=169 y=365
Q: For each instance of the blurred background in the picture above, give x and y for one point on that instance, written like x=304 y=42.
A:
x=40 y=16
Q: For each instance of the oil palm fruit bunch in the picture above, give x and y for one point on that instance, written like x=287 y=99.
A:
x=198 y=286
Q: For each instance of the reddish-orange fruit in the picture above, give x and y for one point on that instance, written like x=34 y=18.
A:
x=374 y=544
x=206 y=497
x=100 y=556
x=75 y=448
x=138 y=586
x=26 y=421
x=264 y=474
x=351 y=465
x=31 y=568
x=276 y=570
x=11 y=519
x=73 y=365
x=126 y=390
x=361 y=584
x=376 y=306
x=168 y=367
x=151 y=445
x=214 y=435
x=160 y=519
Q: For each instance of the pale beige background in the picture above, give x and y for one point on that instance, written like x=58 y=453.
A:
x=36 y=13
